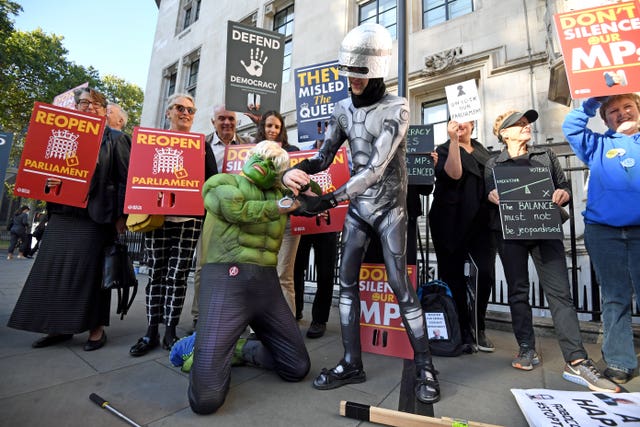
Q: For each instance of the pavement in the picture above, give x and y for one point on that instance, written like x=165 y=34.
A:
x=51 y=386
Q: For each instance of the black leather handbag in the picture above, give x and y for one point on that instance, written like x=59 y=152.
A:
x=118 y=274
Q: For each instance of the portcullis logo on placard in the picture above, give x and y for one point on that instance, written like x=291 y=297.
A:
x=63 y=145
x=169 y=160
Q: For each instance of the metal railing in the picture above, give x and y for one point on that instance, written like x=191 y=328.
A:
x=583 y=282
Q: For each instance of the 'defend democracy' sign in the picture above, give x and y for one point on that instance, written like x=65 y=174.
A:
x=420 y=167
x=318 y=88
x=526 y=209
x=254 y=69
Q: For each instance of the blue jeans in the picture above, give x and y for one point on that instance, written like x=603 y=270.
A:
x=615 y=255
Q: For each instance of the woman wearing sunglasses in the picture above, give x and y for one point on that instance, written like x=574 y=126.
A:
x=170 y=252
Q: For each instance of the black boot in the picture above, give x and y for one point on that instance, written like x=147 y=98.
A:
x=427 y=386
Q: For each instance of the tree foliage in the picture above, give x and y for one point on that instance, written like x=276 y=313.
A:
x=34 y=67
x=128 y=95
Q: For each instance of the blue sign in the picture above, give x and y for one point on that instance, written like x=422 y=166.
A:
x=318 y=88
x=6 y=139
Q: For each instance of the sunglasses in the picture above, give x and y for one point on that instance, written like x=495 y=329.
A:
x=182 y=109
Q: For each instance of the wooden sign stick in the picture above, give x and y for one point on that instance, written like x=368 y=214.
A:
x=389 y=417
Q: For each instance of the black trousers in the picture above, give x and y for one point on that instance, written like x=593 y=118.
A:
x=324 y=249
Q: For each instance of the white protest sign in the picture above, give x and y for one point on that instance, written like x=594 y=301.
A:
x=463 y=100
x=545 y=407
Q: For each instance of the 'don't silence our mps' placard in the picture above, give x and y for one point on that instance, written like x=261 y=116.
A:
x=61 y=145
x=166 y=173
x=601 y=46
x=381 y=328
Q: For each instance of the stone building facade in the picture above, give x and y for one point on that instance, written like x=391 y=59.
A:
x=507 y=47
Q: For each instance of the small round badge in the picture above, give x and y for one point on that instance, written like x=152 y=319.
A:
x=628 y=163
x=234 y=271
x=615 y=152
x=612 y=153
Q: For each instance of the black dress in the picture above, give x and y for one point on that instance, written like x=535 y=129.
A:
x=63 y=294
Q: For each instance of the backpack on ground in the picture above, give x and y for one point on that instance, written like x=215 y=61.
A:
x=443 y=327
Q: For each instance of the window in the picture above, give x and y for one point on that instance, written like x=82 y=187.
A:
x=283 y=23
x=251 y=20
x=436 y=113
x=383 y=12
x=188 y=14
x=170 y=79
x=191 y=64
x=438 y=11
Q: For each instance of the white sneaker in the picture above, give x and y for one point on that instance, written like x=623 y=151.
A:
x=585 y=373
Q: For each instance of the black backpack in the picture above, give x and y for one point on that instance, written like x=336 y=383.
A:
x=443 y=327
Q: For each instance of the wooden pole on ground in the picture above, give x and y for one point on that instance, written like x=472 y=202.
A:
x=389 y=417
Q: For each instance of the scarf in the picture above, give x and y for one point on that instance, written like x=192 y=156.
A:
x=373 y=92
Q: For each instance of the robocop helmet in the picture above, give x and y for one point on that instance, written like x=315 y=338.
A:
x=365 y=52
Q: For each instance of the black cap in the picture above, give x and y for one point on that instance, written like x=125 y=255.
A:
x=531 y=115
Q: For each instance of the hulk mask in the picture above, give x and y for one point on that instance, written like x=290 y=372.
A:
x=261 y=171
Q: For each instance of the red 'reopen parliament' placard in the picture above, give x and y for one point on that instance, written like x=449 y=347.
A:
x=166 y=173
x=61 y=145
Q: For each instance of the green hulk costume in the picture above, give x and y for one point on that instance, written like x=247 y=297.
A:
x=240 y=286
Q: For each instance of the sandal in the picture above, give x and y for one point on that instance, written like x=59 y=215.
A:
x=427 y=387
x=343 y=374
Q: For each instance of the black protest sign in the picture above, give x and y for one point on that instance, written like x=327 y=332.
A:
x=254 y=69
x=419 y=162
x=526 y=209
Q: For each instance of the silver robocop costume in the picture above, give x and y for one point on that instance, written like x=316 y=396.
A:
x=377 y=193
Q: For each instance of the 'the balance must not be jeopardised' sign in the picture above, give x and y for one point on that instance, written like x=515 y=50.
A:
x=526 y=209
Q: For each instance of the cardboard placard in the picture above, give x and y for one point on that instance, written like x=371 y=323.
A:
x=318 y=88
x=600 y=47
x=67 y=99
x=463 y=101
x=166 y=173
x=381 y=328
x=545 y=407
x=61 y=144
x=420 y=166
x=234 y=157
x=526 y=209
x=335 y=176
x=254 y=69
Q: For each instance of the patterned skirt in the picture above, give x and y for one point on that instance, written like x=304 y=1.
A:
x=63 y=294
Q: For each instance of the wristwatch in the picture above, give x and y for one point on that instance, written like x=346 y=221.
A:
x=286 y=202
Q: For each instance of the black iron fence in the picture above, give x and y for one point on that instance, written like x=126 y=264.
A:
x=583 y=282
